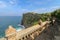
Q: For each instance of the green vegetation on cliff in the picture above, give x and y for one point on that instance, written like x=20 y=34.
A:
x=49 y=33
x=56 y=14
x=32 y=18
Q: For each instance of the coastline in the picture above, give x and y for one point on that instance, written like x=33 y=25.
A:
x=21 y=27
x=2 y=38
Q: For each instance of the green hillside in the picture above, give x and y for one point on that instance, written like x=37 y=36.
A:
x=32 y=18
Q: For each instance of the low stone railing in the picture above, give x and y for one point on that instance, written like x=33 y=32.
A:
x=28 y=33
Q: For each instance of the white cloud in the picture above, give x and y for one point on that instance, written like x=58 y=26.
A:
x=8 y=3
x=2 y=4
x=42 y=10
x=56 y=7
x=11 y=2
x=39 y=3
x=24 y=10
x=42 y=2
x=49 y=0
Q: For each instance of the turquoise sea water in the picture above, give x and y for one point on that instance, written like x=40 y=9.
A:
x=5 y=21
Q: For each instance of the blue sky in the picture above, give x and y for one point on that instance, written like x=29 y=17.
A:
x=18 y=7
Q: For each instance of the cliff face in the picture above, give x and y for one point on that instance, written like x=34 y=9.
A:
x=49 y=33
x=30 y=18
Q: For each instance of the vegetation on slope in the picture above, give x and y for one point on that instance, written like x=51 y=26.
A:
x=49 y=33
x=32 y=18
x=56 y=14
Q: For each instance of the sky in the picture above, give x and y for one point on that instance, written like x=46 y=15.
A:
x=18 y=7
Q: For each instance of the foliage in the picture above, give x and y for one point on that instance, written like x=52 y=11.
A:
x=32 y=18
x=56 y=14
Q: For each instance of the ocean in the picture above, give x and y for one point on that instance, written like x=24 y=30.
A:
x=5 y=21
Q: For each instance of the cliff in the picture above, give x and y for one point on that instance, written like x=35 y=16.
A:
x=49 y=33
x=31 y=18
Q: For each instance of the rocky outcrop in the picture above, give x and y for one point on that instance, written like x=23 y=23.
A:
x=10 y=33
